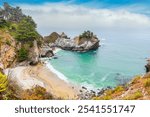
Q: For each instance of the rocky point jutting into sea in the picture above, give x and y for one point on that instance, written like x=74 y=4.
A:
x=82 y=43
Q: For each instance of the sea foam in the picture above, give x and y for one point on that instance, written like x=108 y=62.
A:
x=59 y=74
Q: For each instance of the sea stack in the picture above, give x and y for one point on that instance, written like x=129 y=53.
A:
x=82 y=43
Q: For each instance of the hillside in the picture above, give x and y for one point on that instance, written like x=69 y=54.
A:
x=137 y=89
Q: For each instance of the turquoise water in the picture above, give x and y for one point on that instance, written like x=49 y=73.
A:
x=115 y=62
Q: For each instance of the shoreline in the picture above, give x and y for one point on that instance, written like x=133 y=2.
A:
x=30 y=76
x=45 y=76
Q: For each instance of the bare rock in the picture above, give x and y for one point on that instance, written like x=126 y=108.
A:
x=148 y=66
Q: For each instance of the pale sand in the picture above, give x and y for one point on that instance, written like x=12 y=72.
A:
x=30 y=76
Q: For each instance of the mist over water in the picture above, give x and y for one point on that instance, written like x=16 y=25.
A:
x=118 y=60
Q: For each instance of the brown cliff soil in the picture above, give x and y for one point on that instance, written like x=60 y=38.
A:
x=7 y=49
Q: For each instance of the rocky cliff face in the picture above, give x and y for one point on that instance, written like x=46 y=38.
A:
x=82 y=43
x=7 y=50
x=10 y=13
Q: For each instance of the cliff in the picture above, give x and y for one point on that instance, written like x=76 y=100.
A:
x=7 y=49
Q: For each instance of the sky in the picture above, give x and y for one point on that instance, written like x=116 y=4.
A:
x=75 y=16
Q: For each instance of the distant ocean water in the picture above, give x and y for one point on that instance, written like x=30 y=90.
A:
x=117 y=61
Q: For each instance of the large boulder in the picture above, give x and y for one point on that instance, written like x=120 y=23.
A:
x=148 y=66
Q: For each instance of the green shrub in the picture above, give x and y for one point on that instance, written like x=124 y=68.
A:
x=3 y=82
x=4 y=24
x=36 y=93
x=118 y=89
x=13 y=91
x=26 y=30
x=8 y=42
x=22 y=55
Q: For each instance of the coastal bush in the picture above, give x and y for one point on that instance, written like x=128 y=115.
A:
x=118 y=89
x=134 y=96
x=3 y=82
x=147 y=83
x=22 y=55
x=12 y=92
x=36 y=93
x=86 y=34
x=4 y=23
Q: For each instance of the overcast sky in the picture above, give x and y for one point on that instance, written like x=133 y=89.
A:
x=100 y=16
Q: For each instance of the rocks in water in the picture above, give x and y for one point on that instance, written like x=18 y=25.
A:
x=55 y=57
x=46 y=52
x=148 y=66
x=82 y=43
x=84 y=88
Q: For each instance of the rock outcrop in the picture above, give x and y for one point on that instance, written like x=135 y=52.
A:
x=82 y=43
x=10 y=13
x=7 y=50
x=148 y=66
x=51 y=38
x=46 y=52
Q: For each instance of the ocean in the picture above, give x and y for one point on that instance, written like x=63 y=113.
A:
x=117 y=61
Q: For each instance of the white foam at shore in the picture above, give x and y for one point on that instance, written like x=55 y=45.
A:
x=56 y=50
x=59 y=74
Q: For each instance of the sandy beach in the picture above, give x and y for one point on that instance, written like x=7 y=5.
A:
x=29 y=76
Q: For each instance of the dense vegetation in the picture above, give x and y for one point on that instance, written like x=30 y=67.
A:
x=4 y=23
x=21 y=27
x=26 y=30
x=87 y=35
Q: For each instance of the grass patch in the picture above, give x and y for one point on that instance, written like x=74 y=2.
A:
x=136 y=80
x=118 y=89
x=134 y=96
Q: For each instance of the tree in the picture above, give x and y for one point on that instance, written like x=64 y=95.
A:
x=87 y=35
x=26 y=30
x=4 y=23
x=3 y=82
